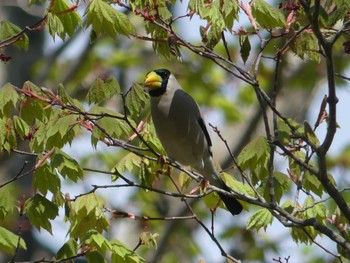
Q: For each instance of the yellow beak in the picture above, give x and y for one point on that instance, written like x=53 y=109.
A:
x=153 y=80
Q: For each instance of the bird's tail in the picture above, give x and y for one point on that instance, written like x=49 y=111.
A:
x=231 y=203
x=214 y=178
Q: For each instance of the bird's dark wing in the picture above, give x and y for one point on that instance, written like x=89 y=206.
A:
x=205 y=131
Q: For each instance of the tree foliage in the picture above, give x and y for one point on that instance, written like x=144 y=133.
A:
x=286 y=169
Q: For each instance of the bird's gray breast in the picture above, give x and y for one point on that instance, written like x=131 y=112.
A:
x=176 y=121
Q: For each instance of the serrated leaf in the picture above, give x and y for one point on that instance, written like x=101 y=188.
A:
x=288 y=205
x=8 y=202
x=107 y=20
x=61 y=129
x=310 y=134
x=213 y=37
x=230 y=9
x=245 y=47
x=306 y=44
x=311 y=183
x=261 y=218
x=86 y=213
x=9 y=241
x=114 y=124
x=21 y=127
x=69 y=249
x=300 y=236
x=8 y=30
x=120 y=253
x=55 y=25
x=102 y=90
x=8 y=98
x=127 y=163
x=312 y=210
x=96 y=240
x=67 y=166
x=254 y=157
x=267 y=16
x=149 y=239
x=136 y=99
x=66 y=17
x=46 y=179
x=282 y=184
x=40 y=211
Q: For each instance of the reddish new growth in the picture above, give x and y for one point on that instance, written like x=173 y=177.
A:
x=290 y=6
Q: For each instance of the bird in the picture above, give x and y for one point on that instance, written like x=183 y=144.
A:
x=182 y=131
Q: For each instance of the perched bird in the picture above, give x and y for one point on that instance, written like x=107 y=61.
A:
x=182 y=131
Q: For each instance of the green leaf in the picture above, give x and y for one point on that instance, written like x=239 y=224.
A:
x=213 y=37
x=310 y=134
x=136 y=99
x=21 y=127
x=96 y=256
x=8 y=202
x=8 y=30
x=311 y=183
x=103 y=90
x=120 y=253
x=149 y=239
x=230 y=9
x=68 y=19
x=8 y=99
x=261 y=218
x=69 y=249
x=67 y=166
x=312 y=210
x=129 y=162
x=107 y=20
x=46 y=179
x=245 y=47
x=40 y=211
x=9 y=241
x=61 y=129
x=300 y=236
x=306 y=44
x=96 y=240
x=86 y=213
x=282 y=183
x=113 y=125
x=254 y=157
x=55 y=26
x=267 y=16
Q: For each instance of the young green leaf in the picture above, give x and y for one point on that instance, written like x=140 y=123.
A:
x=107 y=20
x=136 y=99
x=8 y=30
x=102 y=90
x=9 y=241
x=310 y=134
x=261 y=218
x=113 y=125
x=46 y=179
x=96 y=240
x=149 y=239
x=267 y=16
x=40 y=211
x=306 y=44
x=245 y=47
x=7 y=202
x=8 y=99
x=120 y=253
x=66 y=17
x=66 y=165
x=69 y=249
x=21 y=127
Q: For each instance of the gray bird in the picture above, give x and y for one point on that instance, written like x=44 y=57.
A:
x=182 y=131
